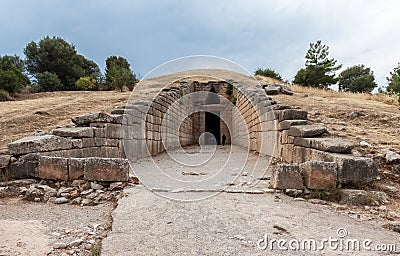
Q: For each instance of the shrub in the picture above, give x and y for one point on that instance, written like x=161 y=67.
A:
x=268 y=72
x=5 y=96
x=86 y=83
x=48 y=82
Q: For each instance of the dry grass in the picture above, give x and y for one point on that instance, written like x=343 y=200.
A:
x=380 y=97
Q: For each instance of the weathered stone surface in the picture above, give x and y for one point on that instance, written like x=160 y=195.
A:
x=334 y=145
x=362 y=197
x=307 y=130
x=319 y=175
x=98 y=117
x=53 y=168
x=76 y=168
x=286 y=176
x=74 y=132
x=391 y=157
x=285 y=138
x=39 y=144
x=286 y=124
x=4 y=160
x=106 y=169
x=292 y=114
x=271 y=90
x=355 y=169
x=23 y=169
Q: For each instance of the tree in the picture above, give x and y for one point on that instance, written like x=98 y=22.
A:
x=394 y=80
x=48 y=82
x=86 y=83
x=12 y=78
x=357 y=78
x=268 y=73
x=8 y=61
x=118 y=73
x=56 y=56
x=319 y=70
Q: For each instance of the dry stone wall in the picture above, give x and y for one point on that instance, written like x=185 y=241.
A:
x=98 y=146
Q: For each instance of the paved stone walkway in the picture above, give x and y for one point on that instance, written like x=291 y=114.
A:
x=227 y=223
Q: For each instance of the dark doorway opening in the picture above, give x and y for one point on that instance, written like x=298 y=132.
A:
x=213 y=126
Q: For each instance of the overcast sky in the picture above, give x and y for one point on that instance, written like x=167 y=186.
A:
x=263 y=33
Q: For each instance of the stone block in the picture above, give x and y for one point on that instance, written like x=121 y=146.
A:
x=319 y=175
x=76 y=168
x=106 y=169
x=39 y=144
x=286 y=176
x=53 y=168
x=292 y=114
x=74 y=132
x=4 y=160
x=334 y=145
x=286 y=124
x=301 y=154
x=355 y=169
x=287 y=152
x=285 y=138
x=98 y=117
x=307 y=130
x=26 y=167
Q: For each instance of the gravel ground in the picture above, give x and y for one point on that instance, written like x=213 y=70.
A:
x=29 y=228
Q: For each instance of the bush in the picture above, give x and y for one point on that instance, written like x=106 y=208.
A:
x=12 y=80
x=86 y=83
x=5 y=96
x=269 y=73
x=48 y=82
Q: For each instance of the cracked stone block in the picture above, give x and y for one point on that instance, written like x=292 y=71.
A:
x=106 y=169
x=74 y=132
x=43 y=143
x=53 y=168
x=286 y=176
x=334 y=145
x=319 y=175
x=292 y=114
x=307 y=130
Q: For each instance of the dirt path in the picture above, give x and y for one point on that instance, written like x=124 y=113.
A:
x=148 y=223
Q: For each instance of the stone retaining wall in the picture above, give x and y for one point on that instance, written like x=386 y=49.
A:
x=98 y=147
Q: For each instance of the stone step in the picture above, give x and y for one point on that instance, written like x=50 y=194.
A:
x=39 y=144
x=286 y=124
x=307 y=130
x=334 y=145
x=74 y=132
